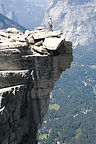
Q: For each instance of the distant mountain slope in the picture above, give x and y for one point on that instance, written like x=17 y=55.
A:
x=77 y=19
x=2 y=11
x=29 y=13
x=6 y=23
x=9 y=13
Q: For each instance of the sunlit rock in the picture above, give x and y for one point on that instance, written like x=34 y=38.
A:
x=41 y=40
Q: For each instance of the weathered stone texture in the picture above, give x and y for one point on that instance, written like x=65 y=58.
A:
x=37 y=42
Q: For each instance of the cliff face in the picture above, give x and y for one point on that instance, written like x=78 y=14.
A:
x=75 y=17
x=30 y=63
x=24 y=94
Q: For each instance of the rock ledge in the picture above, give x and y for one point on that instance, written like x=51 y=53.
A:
x=39 y=42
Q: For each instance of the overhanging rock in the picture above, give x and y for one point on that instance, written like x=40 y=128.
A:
x=29 y=68
x=58 y=44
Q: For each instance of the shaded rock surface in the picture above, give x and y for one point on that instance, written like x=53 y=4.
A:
x=25 y=87
x=37 y=42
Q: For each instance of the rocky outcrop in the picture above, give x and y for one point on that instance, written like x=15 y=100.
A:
x=30 y=63
x=37 y=42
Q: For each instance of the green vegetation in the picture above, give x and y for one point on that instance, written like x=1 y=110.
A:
x=54 y=107
x=78 y=133
x=43 y=136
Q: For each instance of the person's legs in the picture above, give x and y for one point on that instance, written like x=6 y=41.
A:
x=51 y=28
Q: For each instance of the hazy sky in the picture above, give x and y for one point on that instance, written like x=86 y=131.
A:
x=40 y=1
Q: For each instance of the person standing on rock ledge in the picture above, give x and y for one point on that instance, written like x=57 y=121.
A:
x=50 y=24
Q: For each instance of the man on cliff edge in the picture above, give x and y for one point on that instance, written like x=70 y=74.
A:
x=50 y=24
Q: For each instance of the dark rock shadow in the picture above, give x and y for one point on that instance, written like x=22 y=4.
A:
x=24 y=96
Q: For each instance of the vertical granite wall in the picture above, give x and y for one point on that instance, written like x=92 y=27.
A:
x=25 y=86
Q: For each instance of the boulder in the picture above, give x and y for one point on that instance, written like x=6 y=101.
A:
x=52 y=43
x=13 y=30
x=40 y=49
x=4 y=34
x=27 y=33
x=18 y=37
x=30 y=39
x=40 y=28
x=40 y=43
x=58 y=44
x=16 y=44
x=47 y=34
